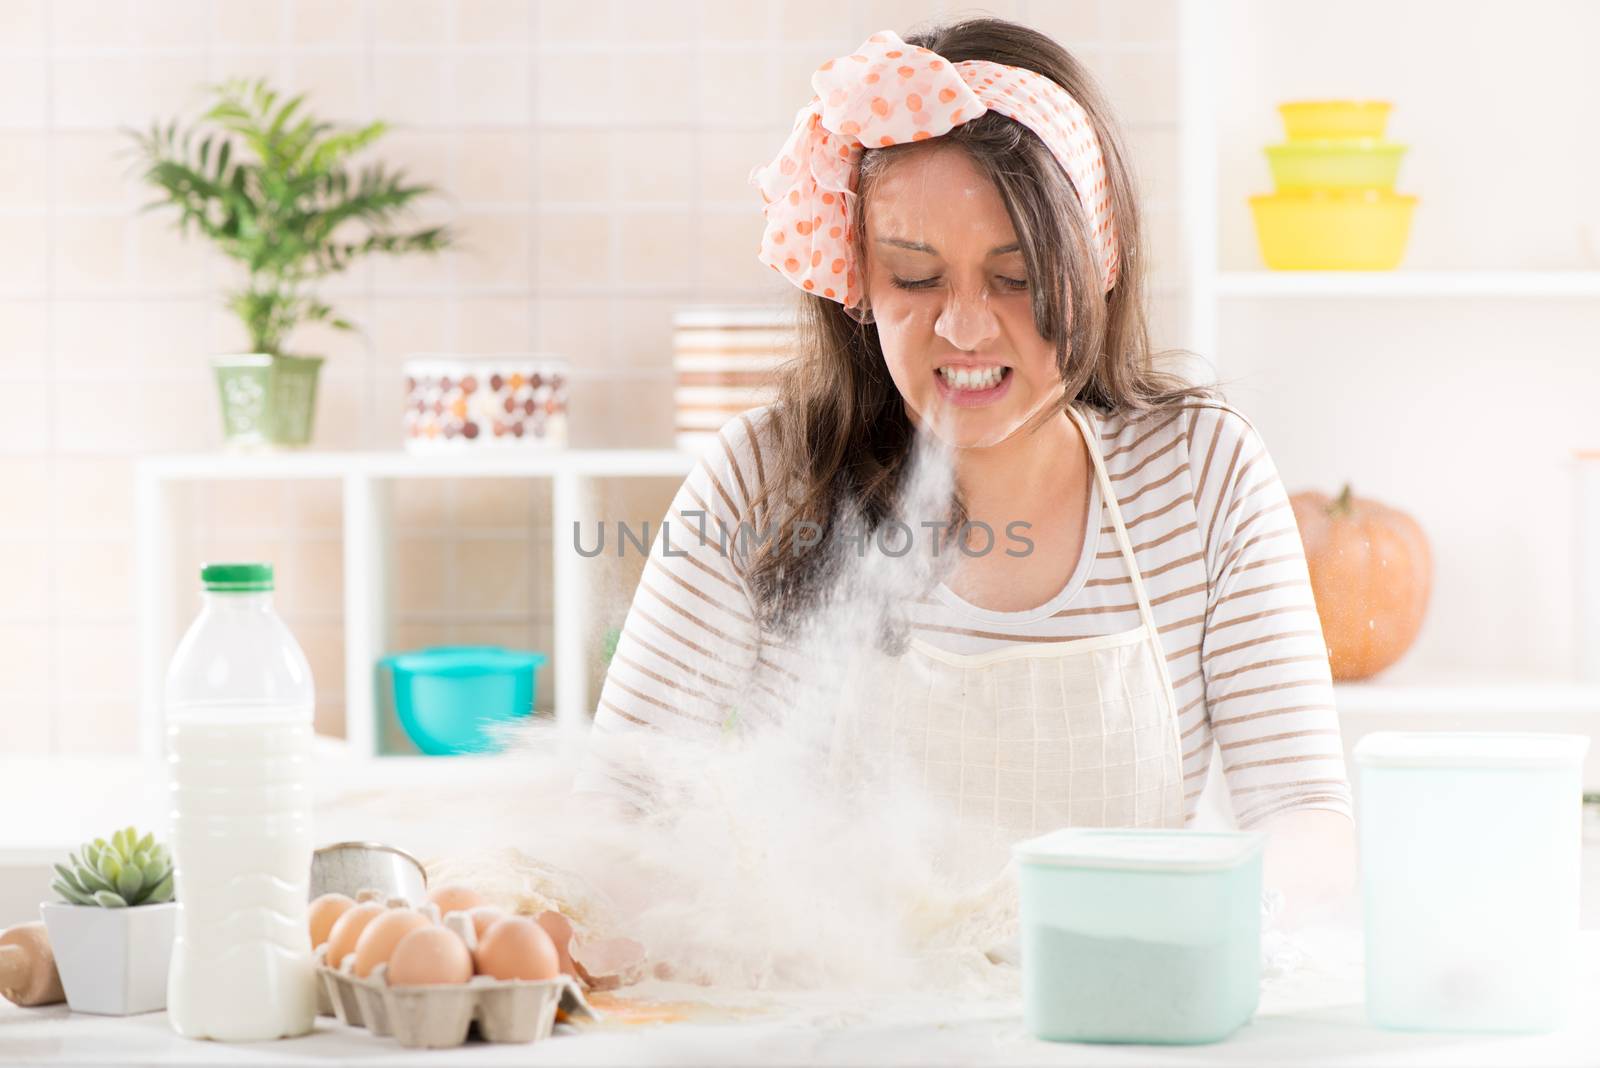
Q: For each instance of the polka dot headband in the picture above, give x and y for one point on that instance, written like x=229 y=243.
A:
x=889 y=93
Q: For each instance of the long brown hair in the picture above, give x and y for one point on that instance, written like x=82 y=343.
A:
x=842 y=438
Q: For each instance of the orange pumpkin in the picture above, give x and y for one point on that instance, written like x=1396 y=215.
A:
x=1371 y=572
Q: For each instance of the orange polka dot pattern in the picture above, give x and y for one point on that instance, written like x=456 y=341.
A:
x=889 y=93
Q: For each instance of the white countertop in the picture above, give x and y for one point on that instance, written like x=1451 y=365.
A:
x=1312 y=1016
x=1304 y=1019
x=69 y=799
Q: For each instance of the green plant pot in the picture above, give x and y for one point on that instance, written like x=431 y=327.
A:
x=267 y=400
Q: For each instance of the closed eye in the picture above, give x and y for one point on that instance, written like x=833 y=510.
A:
x=927 y=283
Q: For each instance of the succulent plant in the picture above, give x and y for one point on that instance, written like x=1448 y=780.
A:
x=121 y=873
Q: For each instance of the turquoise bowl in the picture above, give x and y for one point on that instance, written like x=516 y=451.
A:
x=1149 y=936
x=455 y=698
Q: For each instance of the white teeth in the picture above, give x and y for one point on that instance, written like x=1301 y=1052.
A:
x=967 y=378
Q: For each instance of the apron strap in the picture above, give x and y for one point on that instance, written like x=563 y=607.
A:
x=1157 y=649
x=1090 y=438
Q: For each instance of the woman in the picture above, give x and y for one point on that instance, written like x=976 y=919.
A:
x=958 y=212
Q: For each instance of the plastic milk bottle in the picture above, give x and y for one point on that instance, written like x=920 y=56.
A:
x=239 y=747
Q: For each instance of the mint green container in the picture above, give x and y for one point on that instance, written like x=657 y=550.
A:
x=1150 y=936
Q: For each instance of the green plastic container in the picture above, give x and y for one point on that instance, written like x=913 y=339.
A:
x=1150 y=936
x=267 y=400
x=1334 y=164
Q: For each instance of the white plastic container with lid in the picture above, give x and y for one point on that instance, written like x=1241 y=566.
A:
x=1470 y=855
x=1140 y=935
x=239 y=705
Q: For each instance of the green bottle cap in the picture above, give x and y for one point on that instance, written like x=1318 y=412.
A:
x=237 y=578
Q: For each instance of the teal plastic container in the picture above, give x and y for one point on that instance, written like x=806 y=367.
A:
x=451 y=698
x=1150 y=936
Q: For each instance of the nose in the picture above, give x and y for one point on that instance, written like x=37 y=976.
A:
x=967 y=321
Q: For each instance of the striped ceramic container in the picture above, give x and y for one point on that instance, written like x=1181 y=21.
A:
x=725 y=360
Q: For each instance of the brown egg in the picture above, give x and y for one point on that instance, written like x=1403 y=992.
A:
x=484 y=917
x=455 y=898
x=518 y=948
x=323 y=913
x=429 y=955
x=377 y=942
x=347 y=930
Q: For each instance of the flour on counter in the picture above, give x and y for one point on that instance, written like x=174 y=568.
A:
x=764 y=862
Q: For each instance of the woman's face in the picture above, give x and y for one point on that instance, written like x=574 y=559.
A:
x=950 y=296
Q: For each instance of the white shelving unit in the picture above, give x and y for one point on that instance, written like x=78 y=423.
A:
x=1214 y=292
x=365 y=477
x=1410 y=284
x=1468 y=697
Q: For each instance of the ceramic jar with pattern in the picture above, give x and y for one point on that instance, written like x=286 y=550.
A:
x=454 y=403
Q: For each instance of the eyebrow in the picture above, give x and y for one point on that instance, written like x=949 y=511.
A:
x=918 y=246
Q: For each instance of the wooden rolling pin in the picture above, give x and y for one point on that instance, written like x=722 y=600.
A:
x=28 y=973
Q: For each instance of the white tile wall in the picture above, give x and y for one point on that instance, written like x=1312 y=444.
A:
x=591 y=200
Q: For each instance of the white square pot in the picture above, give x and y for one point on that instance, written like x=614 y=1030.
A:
x=112 y=961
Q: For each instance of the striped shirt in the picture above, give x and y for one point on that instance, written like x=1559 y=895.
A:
x=1217 y=547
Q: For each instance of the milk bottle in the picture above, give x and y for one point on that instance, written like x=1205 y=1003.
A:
x=239 y=736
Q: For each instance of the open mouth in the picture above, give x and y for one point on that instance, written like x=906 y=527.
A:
x=972 y=385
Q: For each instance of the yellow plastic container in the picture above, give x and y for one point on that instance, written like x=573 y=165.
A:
x=1333 y=229
x=1310 y=120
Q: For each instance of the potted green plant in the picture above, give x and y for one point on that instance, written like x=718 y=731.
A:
x=278 y=191
x=112 y=930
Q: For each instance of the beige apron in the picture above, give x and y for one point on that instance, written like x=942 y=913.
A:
x=1024 y=739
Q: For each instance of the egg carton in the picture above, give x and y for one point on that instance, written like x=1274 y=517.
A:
x=442 y=1015
x=325 y=1006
